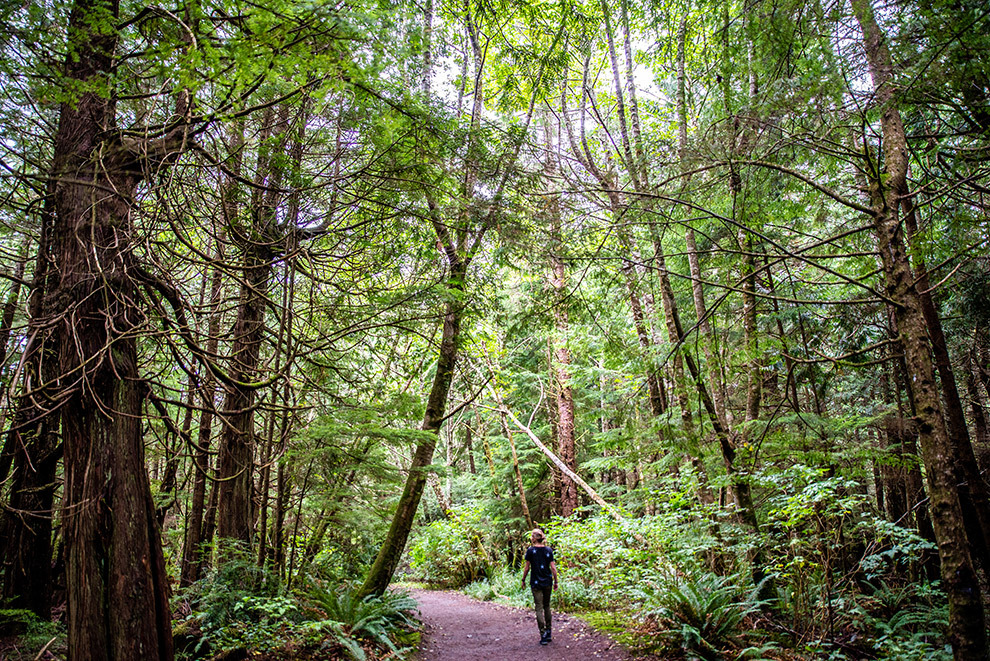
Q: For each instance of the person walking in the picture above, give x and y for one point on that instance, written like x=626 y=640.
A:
x=543 y=580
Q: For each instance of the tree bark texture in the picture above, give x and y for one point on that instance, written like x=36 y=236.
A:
x=967 y=625
x=115 y=572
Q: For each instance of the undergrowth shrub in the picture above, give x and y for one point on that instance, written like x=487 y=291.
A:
x=239 y=605
x=452 y=551
x=503 y=584
x=907 y=621
x=33 y=633
x=350 y=619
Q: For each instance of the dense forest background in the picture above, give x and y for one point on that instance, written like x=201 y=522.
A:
x=299 y=298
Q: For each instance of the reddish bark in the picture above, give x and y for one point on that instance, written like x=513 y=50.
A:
x=115 y=573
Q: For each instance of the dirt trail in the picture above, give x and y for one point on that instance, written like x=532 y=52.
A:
x=458 y=628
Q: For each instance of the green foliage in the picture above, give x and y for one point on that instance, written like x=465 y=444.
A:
x=243 y=606
x=32 y=632
x=351 y=619
x=904 y=621
x=892 y=547
x=704 y=613
x=239 y=605
x=235 y=590
x=504 y=584
x=452 y=551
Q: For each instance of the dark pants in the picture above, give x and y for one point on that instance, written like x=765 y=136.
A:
x=541 y=597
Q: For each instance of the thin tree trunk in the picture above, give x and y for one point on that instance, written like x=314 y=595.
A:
x=560 y=355
x=13 y=297
x=179 y=439
x=976 y=402
x=32 y=450
x=387 y=559
x=892 y=470
x=281 y=506
x=469 y=448
x=235 y=516
x=972 y=487
x=192 y=552
x=290 y=572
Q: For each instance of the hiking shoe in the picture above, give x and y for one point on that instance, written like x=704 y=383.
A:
x=545 y=637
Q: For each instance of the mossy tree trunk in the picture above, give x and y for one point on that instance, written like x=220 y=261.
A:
x=387 y=560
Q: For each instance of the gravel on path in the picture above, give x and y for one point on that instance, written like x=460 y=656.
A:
x=458 y=628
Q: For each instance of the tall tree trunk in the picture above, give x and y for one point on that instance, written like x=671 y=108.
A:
x=192 y=551
x=178 y=439
x=117 y=605
x=388 y=556
x=235 y=515
x=202 y=516
x=694 y=262
x=967 y=625
x=560 y=355
x=283 y=345
x=460 y=240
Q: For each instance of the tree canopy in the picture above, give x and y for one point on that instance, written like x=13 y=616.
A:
x=300 y=299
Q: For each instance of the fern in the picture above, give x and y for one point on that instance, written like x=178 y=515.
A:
x=372 y=618
x=705 y=611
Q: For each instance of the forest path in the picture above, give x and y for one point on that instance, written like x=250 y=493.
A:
x=458 y=628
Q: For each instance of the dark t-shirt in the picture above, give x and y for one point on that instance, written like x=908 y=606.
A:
x=539 y=558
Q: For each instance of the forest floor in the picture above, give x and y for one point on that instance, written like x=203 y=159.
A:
x=459 y=628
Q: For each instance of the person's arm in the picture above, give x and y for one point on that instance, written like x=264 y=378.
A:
x=526 y=572
x=553 y=568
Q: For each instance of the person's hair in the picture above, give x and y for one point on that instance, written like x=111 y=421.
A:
x=537 y=535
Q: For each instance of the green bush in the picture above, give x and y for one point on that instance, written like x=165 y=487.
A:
x=504 y=584
x=905 y=622
x=452 y=551
x=241 y=606
x=233 y=591
x=481 y=590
